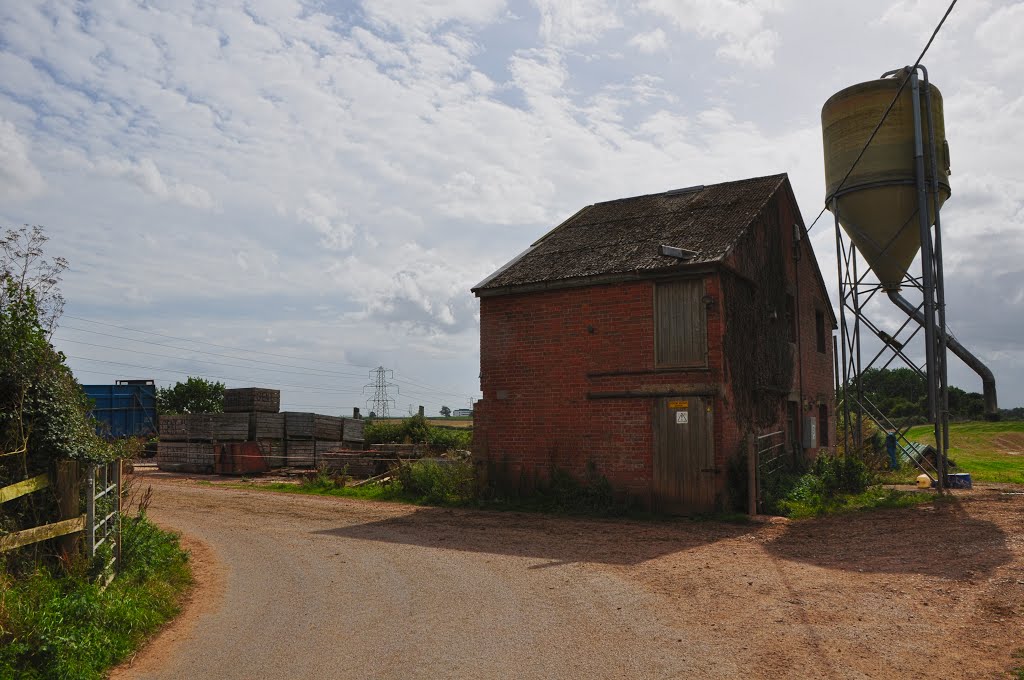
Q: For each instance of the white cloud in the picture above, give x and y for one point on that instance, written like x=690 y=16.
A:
x=739 y=24
x=19 y=178
x=427 y=15
x=147 y=176
x=326 y=217
x=650 y=42
x=567 y=23
x=1002 y=28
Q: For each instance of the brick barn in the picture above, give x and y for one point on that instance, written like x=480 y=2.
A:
x=643 y=338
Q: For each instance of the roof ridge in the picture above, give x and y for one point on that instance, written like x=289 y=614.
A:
x=697 y=188
x=619 y=236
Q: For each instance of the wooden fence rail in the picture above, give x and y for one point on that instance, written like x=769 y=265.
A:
x=38 y=483
x=70 y=523
x=42 y=533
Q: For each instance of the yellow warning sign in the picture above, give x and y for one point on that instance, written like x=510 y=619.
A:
x=679 y=404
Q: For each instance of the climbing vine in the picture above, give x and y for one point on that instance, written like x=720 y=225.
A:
x=757 y=348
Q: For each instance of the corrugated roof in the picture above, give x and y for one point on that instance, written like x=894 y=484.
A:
x=623 y=236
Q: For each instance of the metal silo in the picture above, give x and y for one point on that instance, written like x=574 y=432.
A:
x=877 y=202
x=887 y=177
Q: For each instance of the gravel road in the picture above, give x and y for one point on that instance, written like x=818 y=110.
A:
x=309 y=587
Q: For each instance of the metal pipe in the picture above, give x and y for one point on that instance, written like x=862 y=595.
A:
x=940 y=285
x=988 y=379
x=842 y=326
x=927 y=265
x=90 y=511
x=927 y=273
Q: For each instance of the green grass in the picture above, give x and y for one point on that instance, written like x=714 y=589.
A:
x=874 y=498
x=367 y=492
x=982 y=448
x=424 y=482
x=61 y=625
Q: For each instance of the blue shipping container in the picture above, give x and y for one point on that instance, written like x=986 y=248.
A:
x=127 y=409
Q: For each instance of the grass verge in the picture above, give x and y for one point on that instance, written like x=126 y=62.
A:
x=797 y=506
x=990 y=451
x=425 y=482
x=63 y=626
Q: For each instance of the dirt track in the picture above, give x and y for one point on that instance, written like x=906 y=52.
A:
x=309 y=587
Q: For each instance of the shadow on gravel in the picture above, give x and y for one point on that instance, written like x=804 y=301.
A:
x=945 y=540
x=562 y=540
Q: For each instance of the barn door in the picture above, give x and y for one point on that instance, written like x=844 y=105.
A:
x=684 y=455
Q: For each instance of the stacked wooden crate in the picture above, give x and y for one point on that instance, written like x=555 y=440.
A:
x=186 y=441
x=292 y=438
x=252 y=400
x=268 y=430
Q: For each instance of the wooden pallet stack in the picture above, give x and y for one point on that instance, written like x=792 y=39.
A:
x=186 y=441
x=291 y=438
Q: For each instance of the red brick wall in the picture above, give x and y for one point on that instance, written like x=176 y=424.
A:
x=536 y=352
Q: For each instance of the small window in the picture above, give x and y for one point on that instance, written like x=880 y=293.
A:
x=822 y=425
x=791 y=317
x=819 y=326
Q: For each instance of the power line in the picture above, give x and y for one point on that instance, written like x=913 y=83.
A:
x=888 y=109
x=201 y=342
x=210 y=375
x=151 y=369
x=289 y=403
x=190 y=359
x=317 y=371
x=197 y=351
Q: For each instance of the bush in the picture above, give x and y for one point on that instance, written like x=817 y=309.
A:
x=842 y=474
x=832 y=483
x=417 y=430
x=381 y=432
x=434 y=482
x=325 y=479
x=443 y=439
x=564 y=493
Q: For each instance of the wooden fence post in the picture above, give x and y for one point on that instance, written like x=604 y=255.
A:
x=66 y=483
x=751 y=475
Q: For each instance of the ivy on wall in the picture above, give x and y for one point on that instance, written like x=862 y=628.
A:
x=757 y=348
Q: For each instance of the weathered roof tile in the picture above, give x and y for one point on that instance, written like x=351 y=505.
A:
x=623 y=236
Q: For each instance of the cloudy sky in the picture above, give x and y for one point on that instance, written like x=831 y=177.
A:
x=291 y=193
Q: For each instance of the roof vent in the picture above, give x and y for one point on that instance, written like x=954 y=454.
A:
x=678 y=253
x=685 y=190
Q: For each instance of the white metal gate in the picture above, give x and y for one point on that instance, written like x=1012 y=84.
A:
x=103 y=517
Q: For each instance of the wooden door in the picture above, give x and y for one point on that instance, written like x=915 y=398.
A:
x=684 y=454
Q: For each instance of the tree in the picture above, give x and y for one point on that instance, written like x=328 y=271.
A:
x=446 y=412
x=30 y=274
x=195 y=395
x=43 y=411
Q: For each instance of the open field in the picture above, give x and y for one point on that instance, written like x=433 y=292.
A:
x=312 y=587
x=436 y=422
x=991 y=452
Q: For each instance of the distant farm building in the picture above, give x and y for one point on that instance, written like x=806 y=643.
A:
x=644 y=338
x=462 y=413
